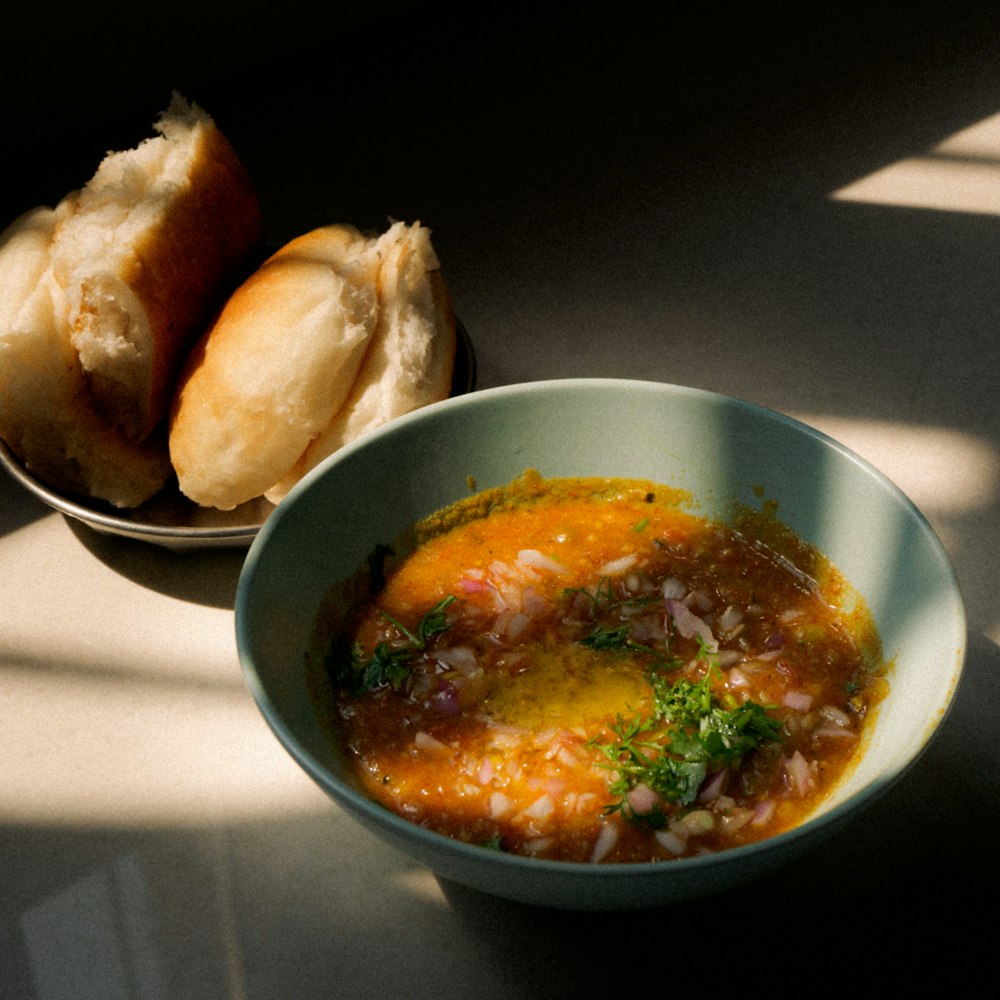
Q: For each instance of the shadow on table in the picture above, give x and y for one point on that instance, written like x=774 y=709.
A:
x=203 y=576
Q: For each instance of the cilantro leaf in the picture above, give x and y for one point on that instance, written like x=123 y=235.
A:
x=687 y=735
x=389 y=665
x=385 y=666
x=602 y=638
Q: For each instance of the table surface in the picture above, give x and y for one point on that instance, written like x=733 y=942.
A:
x=801 y=211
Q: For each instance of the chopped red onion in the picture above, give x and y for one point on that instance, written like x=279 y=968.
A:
x=834 y=715
x=537 y=844
x=834 y=733
x=444 y=699
x=426 y=743
x=541 y=809
x=618 y=566
x=763 y=812
x=698 y=600
x=643 y=799
x=689 y=625
x=713 y=787
x=535 y=560
x=457 y=656
x=737 y=679
x=730 y=619
x=799 y=774
x=500 y=805
x=727 y=658
x=607 y=837
x=669 y=840
x=797 y=701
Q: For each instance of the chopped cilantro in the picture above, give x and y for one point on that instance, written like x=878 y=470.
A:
x=385 y=666
x=433 y=623
x=603 y=601
x=673 y=749
x=607 y=638
x=389 y=664
x=683 y=702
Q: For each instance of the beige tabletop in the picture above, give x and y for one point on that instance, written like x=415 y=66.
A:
x=800 y=210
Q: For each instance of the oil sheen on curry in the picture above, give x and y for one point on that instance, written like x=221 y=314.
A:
x=585 y=670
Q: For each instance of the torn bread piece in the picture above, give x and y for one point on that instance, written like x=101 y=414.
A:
x=145 y=254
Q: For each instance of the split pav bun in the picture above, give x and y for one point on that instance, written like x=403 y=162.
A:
x=149 y=249
x=334 y=335
x=102 y=296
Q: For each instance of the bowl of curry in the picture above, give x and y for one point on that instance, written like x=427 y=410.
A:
x=600 y=644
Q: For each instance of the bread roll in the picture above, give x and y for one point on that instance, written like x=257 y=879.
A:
x=101 y=297
x=274 y=368
x=335 y=334
x=47 y=414
x=411 y=358
x=145 y=255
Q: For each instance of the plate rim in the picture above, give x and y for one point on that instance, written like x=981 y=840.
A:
x=188 y=536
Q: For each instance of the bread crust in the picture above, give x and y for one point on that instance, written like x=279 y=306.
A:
x=103 y=304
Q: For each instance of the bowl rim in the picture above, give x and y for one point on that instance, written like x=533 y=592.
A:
x=377 y=816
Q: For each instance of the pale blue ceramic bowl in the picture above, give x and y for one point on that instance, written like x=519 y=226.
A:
x=719 y=449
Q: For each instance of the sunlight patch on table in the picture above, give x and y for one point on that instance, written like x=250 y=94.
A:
x=960 y=174
x=943 y=471
x=124 y=753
